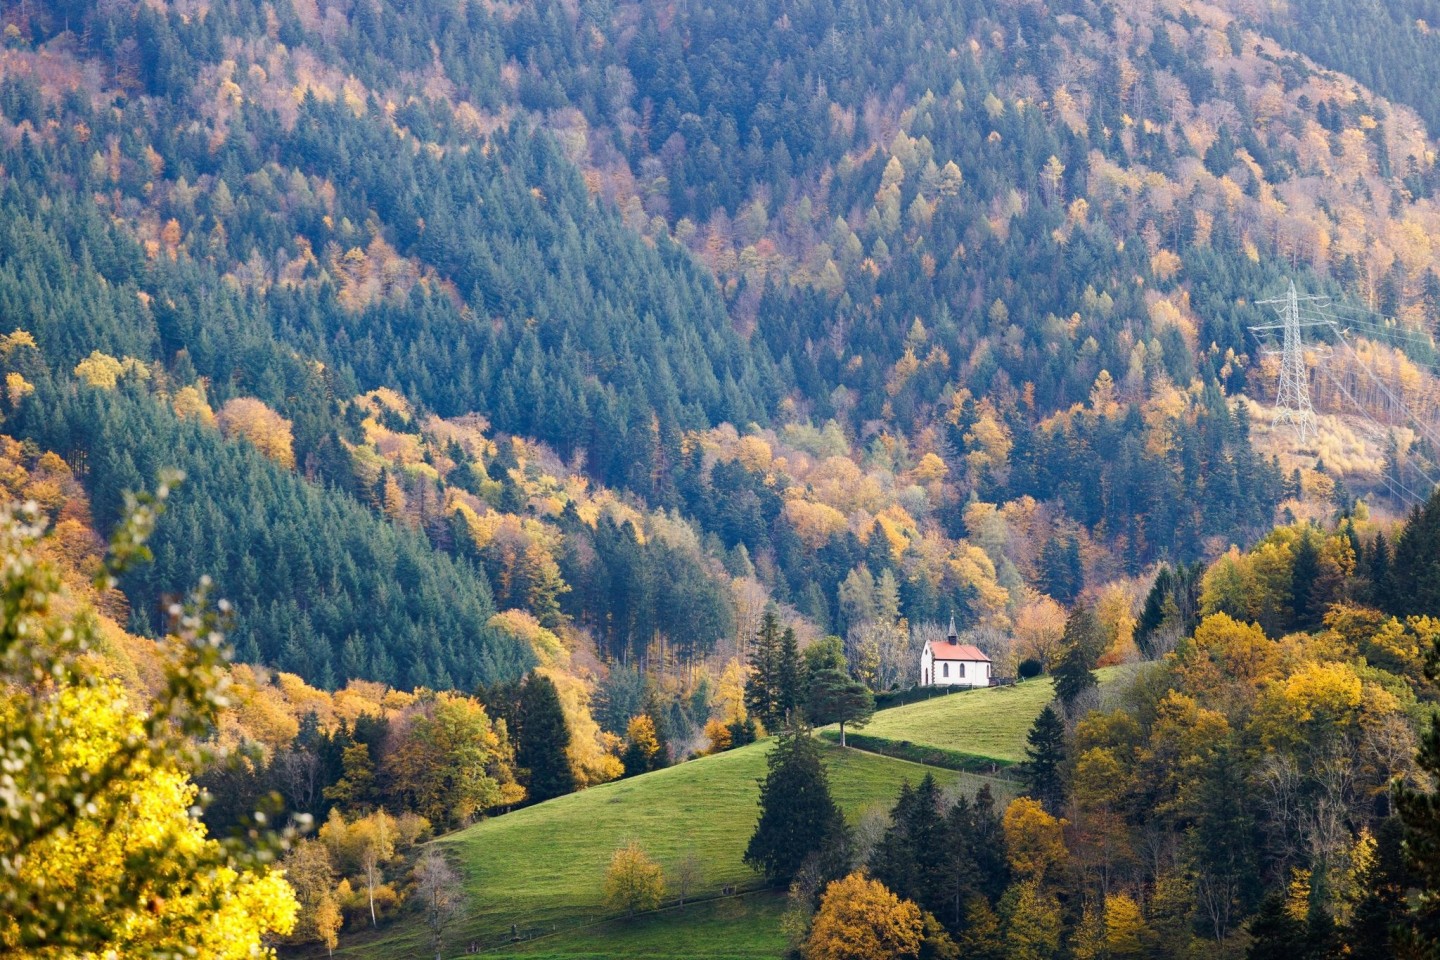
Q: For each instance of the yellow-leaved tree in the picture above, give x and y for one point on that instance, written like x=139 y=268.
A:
x=860 y=918
x=102 y=853
x=270 y=433
x=633 y=881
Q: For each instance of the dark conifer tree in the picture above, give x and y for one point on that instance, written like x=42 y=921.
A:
x=1305 y=602
x=1224 y=841
x=762 y=693
x=798 y=818
x=911 y=858
x=542 y=739
x=1415 y=571
x=1276 y=935
x=1159 y=607
x=789 y=693
x=1322 y=937
x=1380 y=921
x=1381 y=583
x=1045 y=755
x=1061 y=573
x=1075 y=675
x=992 y=868
x=892 y=862
x=1419 y=809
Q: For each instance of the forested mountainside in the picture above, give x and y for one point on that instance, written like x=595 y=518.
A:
x=565 y=390
x=943 y=310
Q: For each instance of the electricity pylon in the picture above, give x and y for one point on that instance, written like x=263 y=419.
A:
x=1292 y=403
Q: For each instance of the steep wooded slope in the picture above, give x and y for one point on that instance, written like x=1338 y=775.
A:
x=1021 y=241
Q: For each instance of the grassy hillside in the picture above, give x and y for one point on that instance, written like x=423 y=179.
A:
x=989 y=723
x=543 y=867
x=744 y=927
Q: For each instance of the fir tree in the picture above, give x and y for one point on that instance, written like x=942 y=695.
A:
x=1045 y=757
x=1076 y=673
x=1275 y=934
x=1415 y=570
x=911 y=858
x=1062 y=573
x=762 y=696
x=542 y=739
x=797 y=815
x=1419 y=809
x=789 y=694
x=1305 y=603
x=1381 y=585
x=1379 y=918
x=835 y=697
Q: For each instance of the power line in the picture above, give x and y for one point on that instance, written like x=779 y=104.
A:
x=1395 y=401
x=1393 y=333
x=1292 y=402
x=1381 y=429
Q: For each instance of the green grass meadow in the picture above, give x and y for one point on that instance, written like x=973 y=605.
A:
x=541 y=869
x=989 y=723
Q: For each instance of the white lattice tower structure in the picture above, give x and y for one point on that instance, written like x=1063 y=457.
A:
x=1292 y=405
x=1292 y=402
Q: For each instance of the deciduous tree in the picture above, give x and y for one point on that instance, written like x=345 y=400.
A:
x=633 y=881
x=441 y=895
x=102 y=851
x=860 y=919
x=251 y=419
x=449 y=761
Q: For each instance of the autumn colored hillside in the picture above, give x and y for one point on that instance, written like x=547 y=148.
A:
x=565 y=374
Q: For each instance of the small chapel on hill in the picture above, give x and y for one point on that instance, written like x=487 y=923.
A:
x=950 y=663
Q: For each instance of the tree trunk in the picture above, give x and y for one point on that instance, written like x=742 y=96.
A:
x=842 y=733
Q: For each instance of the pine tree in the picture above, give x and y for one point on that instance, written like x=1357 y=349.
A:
x=762 y=696
x=1415 y=569
x=1275 y=934
x=542 y=740
x=1304 y=600
x=834 y=697
x=1075 y=674
x=1045 y=757
x=798 y=818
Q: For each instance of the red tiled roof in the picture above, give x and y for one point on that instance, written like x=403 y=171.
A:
x=957 y=651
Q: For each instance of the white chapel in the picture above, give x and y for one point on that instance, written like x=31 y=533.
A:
x=950 y=663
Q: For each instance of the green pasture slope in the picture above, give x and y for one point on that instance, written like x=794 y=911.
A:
x=541 y=869
x=988 y=724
